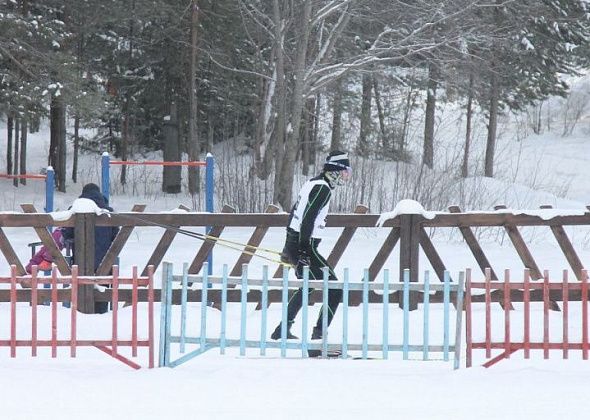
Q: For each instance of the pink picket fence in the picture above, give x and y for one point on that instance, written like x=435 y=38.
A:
x=525 y=328
x=110 y=346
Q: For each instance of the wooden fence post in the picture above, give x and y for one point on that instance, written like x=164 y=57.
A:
x=84 y=224
x=409 y=251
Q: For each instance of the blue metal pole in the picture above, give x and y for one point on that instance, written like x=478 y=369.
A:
x=304 y=306
x=284 y=304
x=426 y=315
x=406 y=330
x=446 y=300
x=209 y=191
x=345 y=315
x=264 y=304
x=49 y=189
x=162 y=354
x=365 y=344
x=243 y=303
x=385 y=346
x=458 y=326
x=204 y=302
x=223 y=310
x=183 y=305
x=105 y=175
x=325 y=310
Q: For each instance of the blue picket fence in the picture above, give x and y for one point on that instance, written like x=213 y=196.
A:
x=207 y=339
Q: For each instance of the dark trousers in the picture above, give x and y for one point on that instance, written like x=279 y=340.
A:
x=316 y=264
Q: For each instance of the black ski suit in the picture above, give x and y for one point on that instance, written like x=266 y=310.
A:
x=301 y=246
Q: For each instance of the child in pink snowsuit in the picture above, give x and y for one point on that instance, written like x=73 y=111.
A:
x=43 y=258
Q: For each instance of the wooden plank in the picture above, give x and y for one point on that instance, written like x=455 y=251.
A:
x=10 y=255
x=117 y=245
x=162 y=247
x=280 y=220
x=432 y=255
x=522 y=250
x=49 y=243
x=207 y=246
x=474 y=246
x=345 y=238
x=409 y=251
x=84 y=225
x=566 y=247
x=253 y=243
x=383 y=253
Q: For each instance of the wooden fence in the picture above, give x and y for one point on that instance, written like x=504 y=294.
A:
x=409 y=230
x=74 y=282
x=517 y=336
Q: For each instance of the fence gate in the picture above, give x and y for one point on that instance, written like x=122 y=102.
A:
x=519 y=335
x=244 y=331
x=38 y=295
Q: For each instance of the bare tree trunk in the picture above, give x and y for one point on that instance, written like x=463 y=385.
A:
x=9 y=131
x=57 y=144
x=381 y=116
x=492 y=128
x=281 y=95
x=313 y=150
x=171 y=178
x=76 y=148
x=337 y=115
x=23 y=150
x=363 y=148
x=288 y=169
x=465 y=167
x=428 y=152
x=124 y=150
x=193 y=136
x=15 y=170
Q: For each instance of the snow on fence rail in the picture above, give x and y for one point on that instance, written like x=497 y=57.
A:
x=227 y=335
x=110 y=346
x=520 y=336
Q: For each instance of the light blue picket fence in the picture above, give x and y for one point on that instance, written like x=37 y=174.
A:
x=205 y=340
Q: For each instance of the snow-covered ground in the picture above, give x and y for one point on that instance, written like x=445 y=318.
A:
x=537 y=170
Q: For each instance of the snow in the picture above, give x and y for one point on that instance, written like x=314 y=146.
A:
x=405 y=207
x=213 y=386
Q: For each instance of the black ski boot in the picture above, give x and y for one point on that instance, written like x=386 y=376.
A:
x=316 y=334
x=276 y=335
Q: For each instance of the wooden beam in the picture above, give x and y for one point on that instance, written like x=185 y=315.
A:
x=473 y=245
x=49 y=243
x=162 y=247
x=120 y=240
x=253 y=243
x=432 y=255
x=523 y=251
x=10 y=255
x=207 y=246
x=567 y=248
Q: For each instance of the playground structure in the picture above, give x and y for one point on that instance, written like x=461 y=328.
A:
x=407 y=230
x=48 y=177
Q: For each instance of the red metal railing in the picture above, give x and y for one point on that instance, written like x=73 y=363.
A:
x=157 y=162
x=115 y=281
x=23 y=176
x=561 y=291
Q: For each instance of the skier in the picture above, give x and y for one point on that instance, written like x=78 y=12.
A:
x=306 y=220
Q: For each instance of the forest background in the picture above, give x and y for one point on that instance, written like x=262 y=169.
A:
x=281 y=82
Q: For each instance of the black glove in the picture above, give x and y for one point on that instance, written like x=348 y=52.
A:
x=303 y=259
